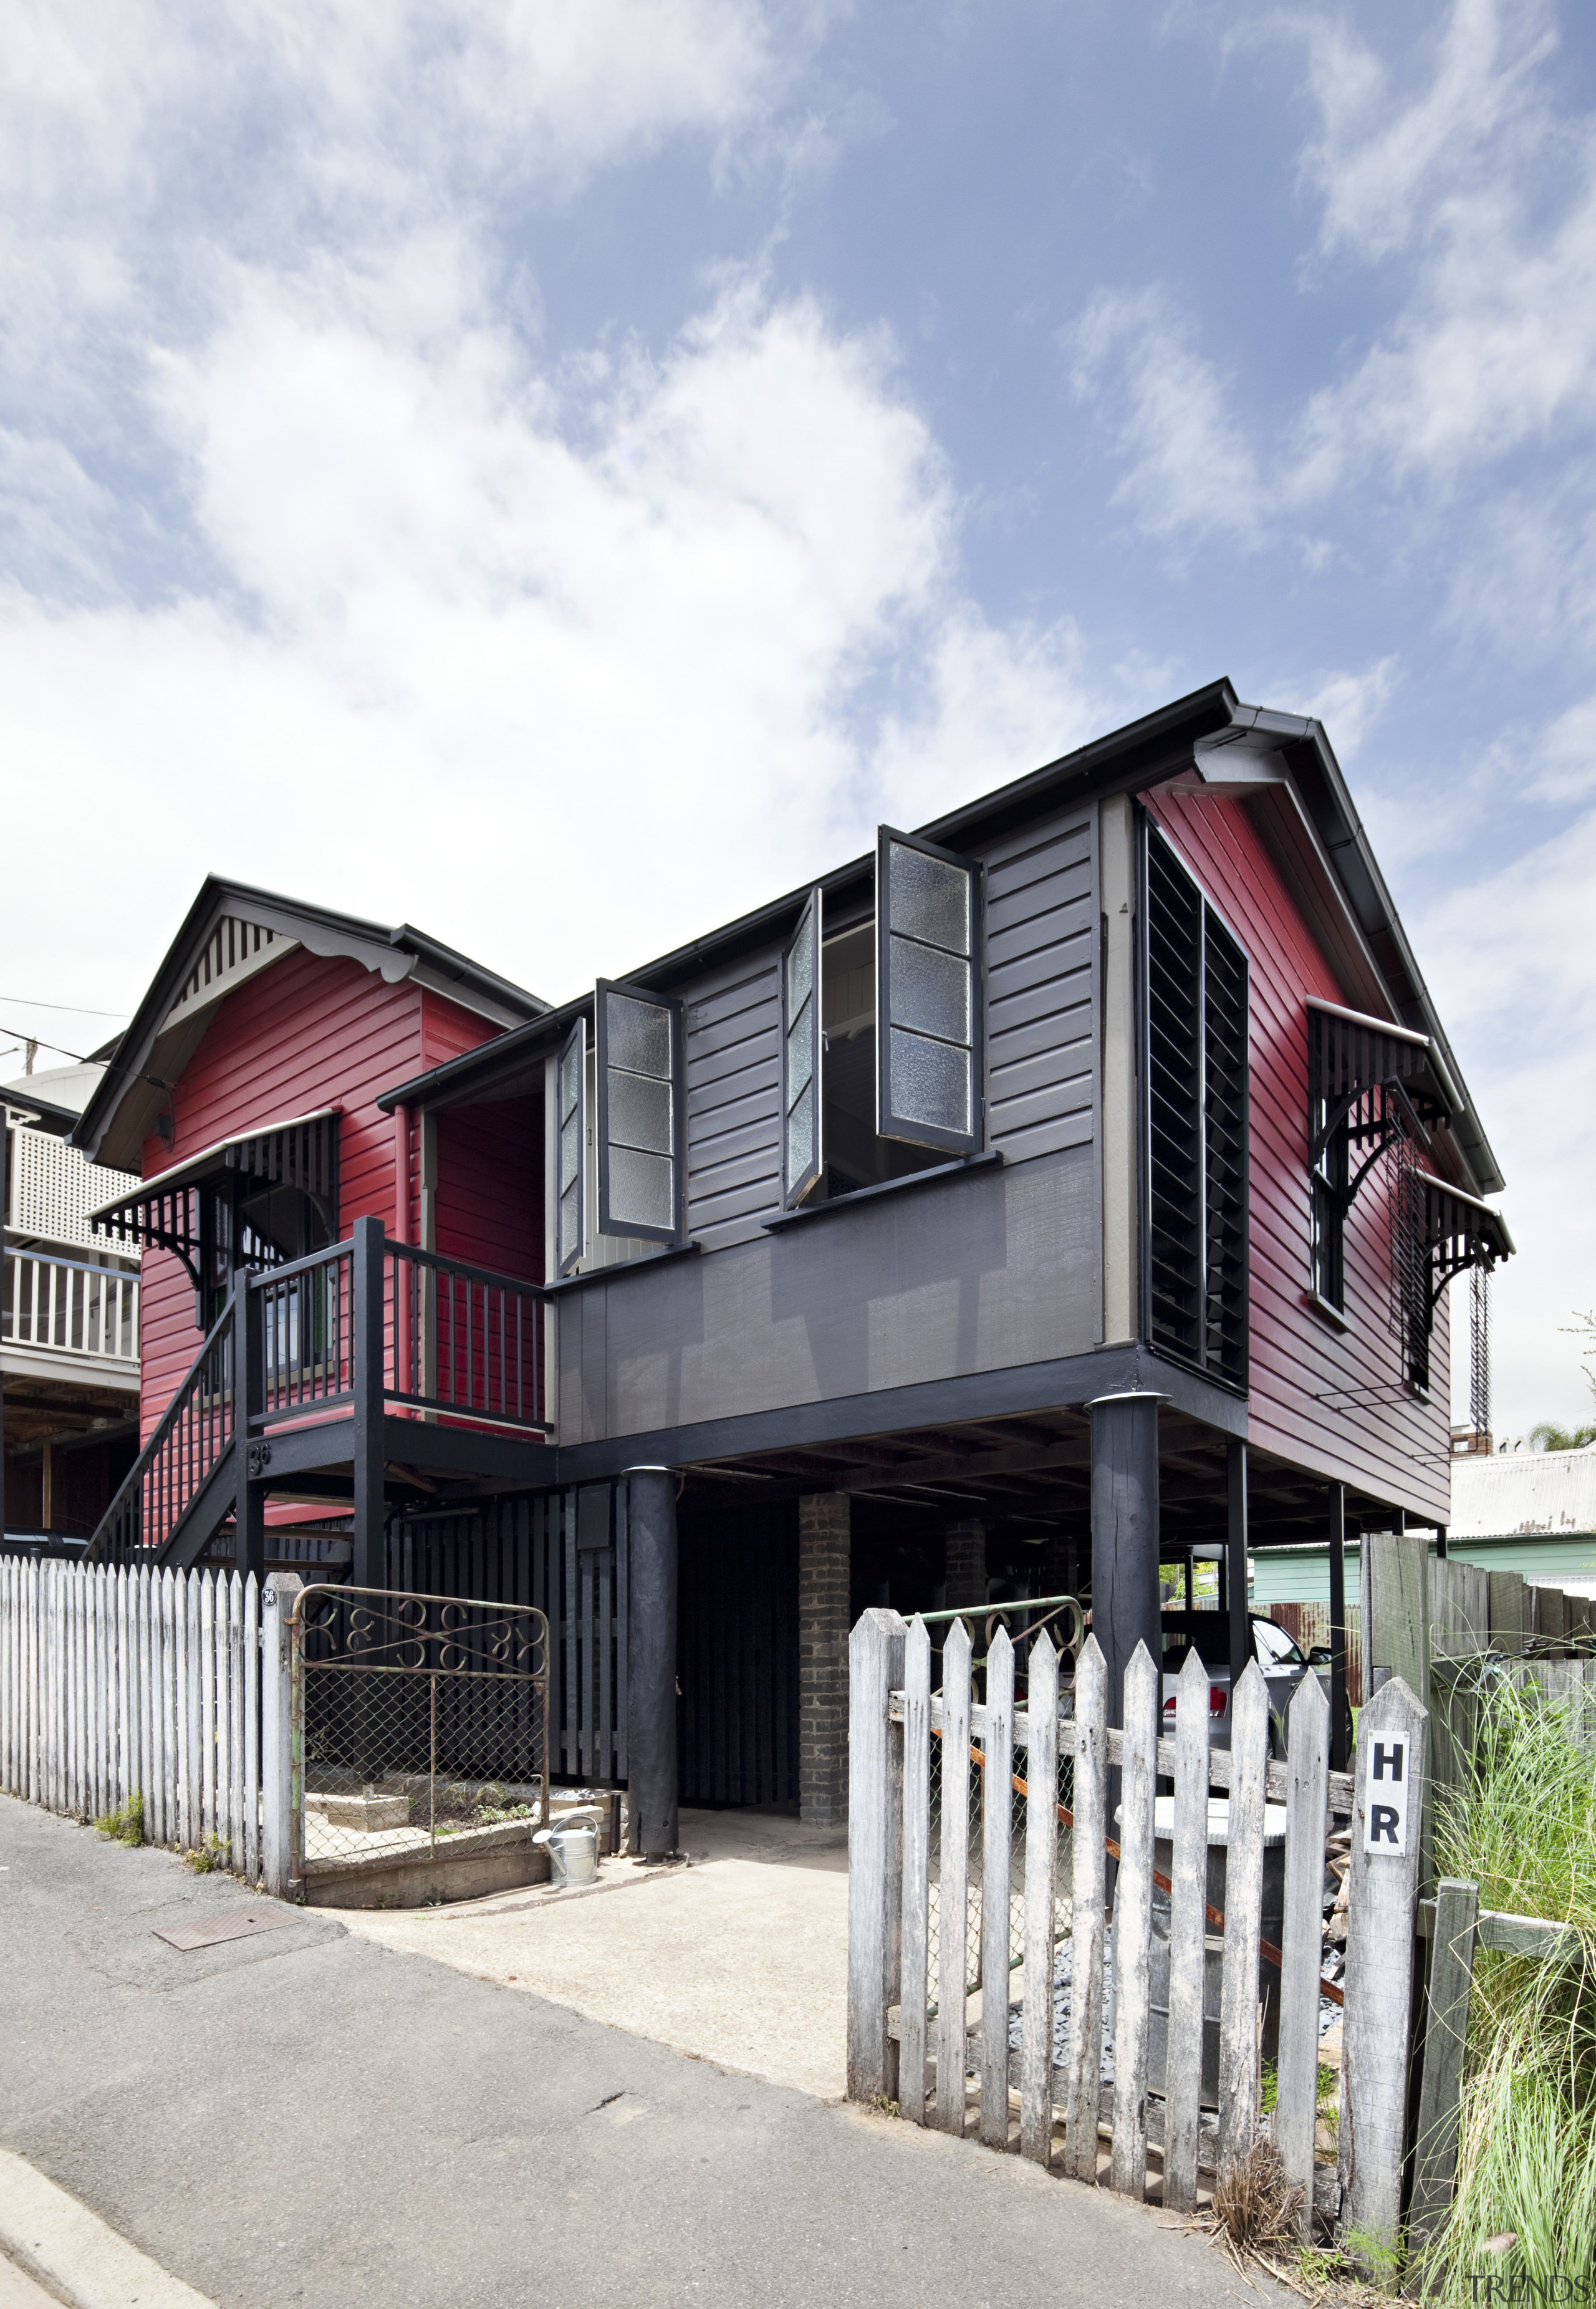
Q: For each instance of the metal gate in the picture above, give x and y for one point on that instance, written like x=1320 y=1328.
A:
x=420 y=1743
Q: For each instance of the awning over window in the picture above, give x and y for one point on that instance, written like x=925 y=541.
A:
x=176 y=1210
x=1459 y=1232
x=1352 y=1059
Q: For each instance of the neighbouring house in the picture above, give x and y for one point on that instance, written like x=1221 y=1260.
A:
x=69 y=1320
x=1532 y=1512
x=1064 y=1187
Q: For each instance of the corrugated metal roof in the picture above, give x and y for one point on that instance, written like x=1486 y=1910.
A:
x=1524 y=1495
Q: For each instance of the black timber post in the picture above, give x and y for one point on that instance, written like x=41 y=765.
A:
x=249 y=1400
x=1124 y=1534
x=1340 y=1718
x=368 y=1568
x=651 y=1660
x=1241 y=1633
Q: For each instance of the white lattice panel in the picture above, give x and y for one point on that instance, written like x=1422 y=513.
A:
x=53 y=1190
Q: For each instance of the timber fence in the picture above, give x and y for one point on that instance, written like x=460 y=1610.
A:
x=1109 y=2024
x=135 y=1690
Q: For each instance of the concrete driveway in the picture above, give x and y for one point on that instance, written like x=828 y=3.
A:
x=740 y=1957
x=307 y=2116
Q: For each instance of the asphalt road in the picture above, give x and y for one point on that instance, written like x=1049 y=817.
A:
x=305 y=2116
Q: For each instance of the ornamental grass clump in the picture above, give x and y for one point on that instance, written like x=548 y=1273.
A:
x=1523 y=1827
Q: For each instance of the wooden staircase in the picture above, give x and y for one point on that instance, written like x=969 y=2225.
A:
x=182 y=1486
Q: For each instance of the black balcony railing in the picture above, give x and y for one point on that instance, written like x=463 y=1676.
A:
x=366 y=1320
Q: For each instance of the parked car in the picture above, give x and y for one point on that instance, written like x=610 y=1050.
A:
x=1283 y=1663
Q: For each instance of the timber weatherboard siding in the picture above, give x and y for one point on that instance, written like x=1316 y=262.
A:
x=311 y=1031
x=1332 y=1402
x=977 y=1271
x=1042 y=987
x=489 y=1204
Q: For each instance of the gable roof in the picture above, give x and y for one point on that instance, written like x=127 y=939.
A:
x=232 y=932
x=1282 y=768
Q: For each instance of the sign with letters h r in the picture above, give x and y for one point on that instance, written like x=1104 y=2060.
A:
x=1385 y=1796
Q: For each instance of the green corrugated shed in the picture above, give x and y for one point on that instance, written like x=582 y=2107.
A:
x=1301 y=1575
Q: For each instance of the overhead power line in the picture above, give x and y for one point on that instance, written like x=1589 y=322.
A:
x=76 y=1009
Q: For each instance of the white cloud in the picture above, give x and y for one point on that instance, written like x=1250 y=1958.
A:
x=1490 y=194
x=566 y=664
x=1476 y=196
x=1511 y=961
x=1376 y=160
x=1496 y=350
x=1349 y=704
x=327 y=572
x=1191 y=467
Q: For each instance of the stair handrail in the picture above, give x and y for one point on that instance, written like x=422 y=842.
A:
x=97 y=1552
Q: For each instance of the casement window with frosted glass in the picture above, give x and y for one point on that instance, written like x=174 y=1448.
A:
x=571 y=1087
x=881 y=1027
x=802 y=1062
x=1194 y=1055
x=927 y=1050
x=641 y=1112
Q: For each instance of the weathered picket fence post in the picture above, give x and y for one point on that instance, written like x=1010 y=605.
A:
x=1445 y=2036
x=277 y=1731
x=1133 y=1925
x=953 y=1888
x=1307 y=1796
x=1239 y=2078
x=1188 y=1930
x=916 y=1871
x=1084 y=2068
x=875 y=1852
x=1041 y=1893
x=997 y=1852
x=1388 y=1787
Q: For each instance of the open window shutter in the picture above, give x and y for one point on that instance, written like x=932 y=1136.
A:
x=573 y=1106
x=803 y=1154
x=927 y=994
x=640 y=1114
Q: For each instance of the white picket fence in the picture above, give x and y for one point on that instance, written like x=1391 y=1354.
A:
x=118 y=1683
x=901 y=2050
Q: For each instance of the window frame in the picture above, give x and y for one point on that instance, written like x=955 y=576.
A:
x=910 y=1131
x=574 y=1044
x=633 y=1228
x=810 y=926
x=1328 y=1202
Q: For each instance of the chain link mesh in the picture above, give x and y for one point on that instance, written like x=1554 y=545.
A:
x=1018 y=1806
x=421 y=1727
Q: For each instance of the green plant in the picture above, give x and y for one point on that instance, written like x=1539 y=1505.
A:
x=128 y=1825
x=1524 y=1826
x=1549 y=1438
x=212 y=1853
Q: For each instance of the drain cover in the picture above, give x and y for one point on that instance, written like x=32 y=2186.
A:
x=236 y=1925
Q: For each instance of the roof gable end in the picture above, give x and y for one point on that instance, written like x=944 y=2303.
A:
x=230 y=934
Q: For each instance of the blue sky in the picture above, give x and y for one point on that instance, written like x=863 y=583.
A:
x=560 y=473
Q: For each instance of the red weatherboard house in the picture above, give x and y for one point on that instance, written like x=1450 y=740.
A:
x=1062 y=1190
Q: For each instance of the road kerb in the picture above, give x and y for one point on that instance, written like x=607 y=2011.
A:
x=73 y=2254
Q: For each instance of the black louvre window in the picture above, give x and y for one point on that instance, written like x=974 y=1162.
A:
x=1195 y=1076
